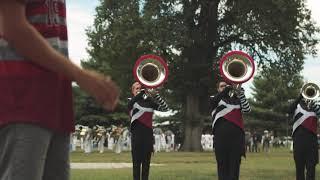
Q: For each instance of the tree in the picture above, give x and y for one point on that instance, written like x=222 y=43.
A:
x=114 y=45
x=275 y=33
x=191 y=35
x=88 y=112
x=273 y=91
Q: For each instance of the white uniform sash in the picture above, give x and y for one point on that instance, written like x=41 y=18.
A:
x=138 y=114
x=305 y=115
x=228 y=109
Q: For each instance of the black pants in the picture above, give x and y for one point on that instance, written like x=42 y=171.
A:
x=229 y=147
x=305 y=153
x=142 y=147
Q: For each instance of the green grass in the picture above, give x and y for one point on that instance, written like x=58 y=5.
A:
x=277 y=165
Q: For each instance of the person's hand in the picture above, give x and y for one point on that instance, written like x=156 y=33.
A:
x=152 y=92
x=101 y=87
x=312 y=105
x=226 y=90
x=142 y=91
x=240 y=92
x=242 y=89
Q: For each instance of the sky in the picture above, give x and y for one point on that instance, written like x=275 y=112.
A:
x=81 y=15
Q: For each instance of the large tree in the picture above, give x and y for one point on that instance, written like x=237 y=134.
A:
x=114 y=44
x=192 y=35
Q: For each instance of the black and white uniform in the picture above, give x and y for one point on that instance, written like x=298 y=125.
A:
x=227 y=126
x=141 y=109
x=305 y=144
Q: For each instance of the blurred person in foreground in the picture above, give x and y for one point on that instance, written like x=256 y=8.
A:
x=36 y=116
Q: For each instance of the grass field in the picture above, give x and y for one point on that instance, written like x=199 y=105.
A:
x=276 y=165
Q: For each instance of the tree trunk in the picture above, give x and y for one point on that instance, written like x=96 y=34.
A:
x=193 y=125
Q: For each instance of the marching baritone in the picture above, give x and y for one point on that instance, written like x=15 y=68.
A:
x=101 y=138
x=141 y=107
x=118 y=139
x=229 y=142
x=305 y=114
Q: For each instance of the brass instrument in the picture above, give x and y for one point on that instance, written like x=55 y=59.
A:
x=151 y=71
x=236 y=67
x=310 y=92
x=83 y=132
x=101 y=131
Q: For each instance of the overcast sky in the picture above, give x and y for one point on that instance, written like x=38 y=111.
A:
x=81 y=15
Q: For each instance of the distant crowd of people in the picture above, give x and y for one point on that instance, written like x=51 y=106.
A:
x=117 y=139
x=255 y=141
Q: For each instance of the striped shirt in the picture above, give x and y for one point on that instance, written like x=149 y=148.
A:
x=316 y=109
x=30 y=93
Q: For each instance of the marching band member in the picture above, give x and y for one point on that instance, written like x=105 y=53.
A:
x=118 y=139
x=305 y=145
x=81 y=136
x=157 y=140
x=141 y=107
x=74 y=140
x=101 y=138
x=110 y=140
x=228 y=130
x=88 y=140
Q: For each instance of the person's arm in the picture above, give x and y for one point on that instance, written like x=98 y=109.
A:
x=161 y=105
x=157 y=103
x=315 y=108
x=245 y=107
x=21 y=35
